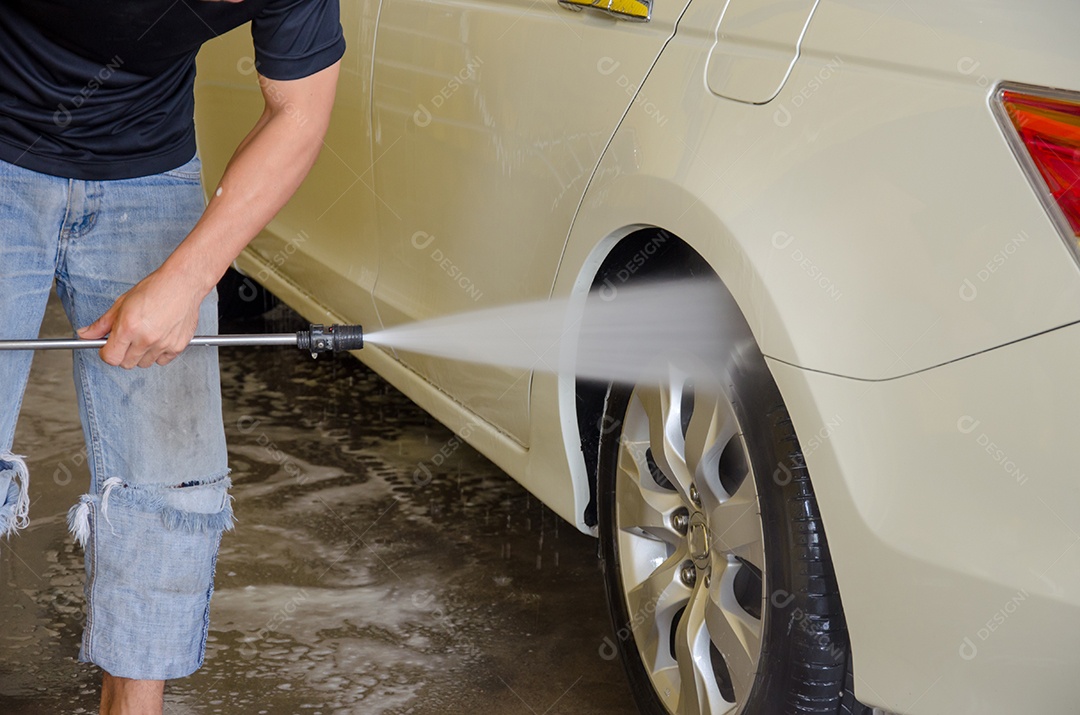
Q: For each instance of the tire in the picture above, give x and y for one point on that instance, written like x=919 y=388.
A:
x=715 y=562
x=241 y=298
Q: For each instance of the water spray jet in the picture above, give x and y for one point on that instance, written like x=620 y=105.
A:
x=628 y=334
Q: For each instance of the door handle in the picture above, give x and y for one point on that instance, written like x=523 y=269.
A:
x=633 y=10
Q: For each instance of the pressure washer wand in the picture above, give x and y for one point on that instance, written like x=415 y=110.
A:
x=315 y=340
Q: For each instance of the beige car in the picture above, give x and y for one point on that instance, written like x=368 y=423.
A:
x=885 y=196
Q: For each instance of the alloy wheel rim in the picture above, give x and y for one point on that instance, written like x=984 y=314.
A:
x=690 y=545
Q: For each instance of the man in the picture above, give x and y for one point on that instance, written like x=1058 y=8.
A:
x=100 y=190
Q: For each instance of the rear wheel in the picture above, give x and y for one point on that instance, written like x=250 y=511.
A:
x=715 y=561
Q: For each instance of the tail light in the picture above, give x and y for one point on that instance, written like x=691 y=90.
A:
x=1043 y=126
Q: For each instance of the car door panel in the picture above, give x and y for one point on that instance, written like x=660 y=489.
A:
x=489 y=120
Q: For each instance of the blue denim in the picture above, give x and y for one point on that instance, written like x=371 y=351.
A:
x=152 y=520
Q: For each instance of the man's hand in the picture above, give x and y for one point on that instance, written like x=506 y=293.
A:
x=150 y=324
x=154 y=321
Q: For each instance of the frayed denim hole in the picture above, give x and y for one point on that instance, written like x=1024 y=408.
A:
x=199 y=505
x=78 y=519
x=78 y=516
x=15 y=507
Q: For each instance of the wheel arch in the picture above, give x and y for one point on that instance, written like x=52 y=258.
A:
x=635 y=195
x=640 y=255
x=628 y=257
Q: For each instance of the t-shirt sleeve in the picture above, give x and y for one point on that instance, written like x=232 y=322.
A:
x=297 y=38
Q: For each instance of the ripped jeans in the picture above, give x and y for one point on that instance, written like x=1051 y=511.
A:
x=158 y=501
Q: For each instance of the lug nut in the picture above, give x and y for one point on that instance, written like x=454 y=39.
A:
x=694 y=496
x=688 y=574
x=680 y=521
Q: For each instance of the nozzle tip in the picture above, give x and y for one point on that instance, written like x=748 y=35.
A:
x=347 y=337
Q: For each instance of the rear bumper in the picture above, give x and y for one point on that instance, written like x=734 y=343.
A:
x=951 y=500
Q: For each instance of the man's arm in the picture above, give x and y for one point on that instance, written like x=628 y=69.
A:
x=155 y=320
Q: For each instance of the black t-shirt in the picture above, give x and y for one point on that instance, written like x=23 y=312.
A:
x=103 y=89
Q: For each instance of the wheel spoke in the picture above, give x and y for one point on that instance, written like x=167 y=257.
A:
x=736 y=526
x=733 y=631
x=709 y=431
x=664 y=409
x=698 y=689
x=653 y=604
x=642 y=505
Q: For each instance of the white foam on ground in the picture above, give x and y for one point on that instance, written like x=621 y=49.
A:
x=371 y=644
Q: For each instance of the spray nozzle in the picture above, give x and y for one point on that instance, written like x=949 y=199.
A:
x=335 y=339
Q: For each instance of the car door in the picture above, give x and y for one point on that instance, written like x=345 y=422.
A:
x=489 y=118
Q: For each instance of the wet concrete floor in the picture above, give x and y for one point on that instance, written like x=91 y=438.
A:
x=349 y=585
